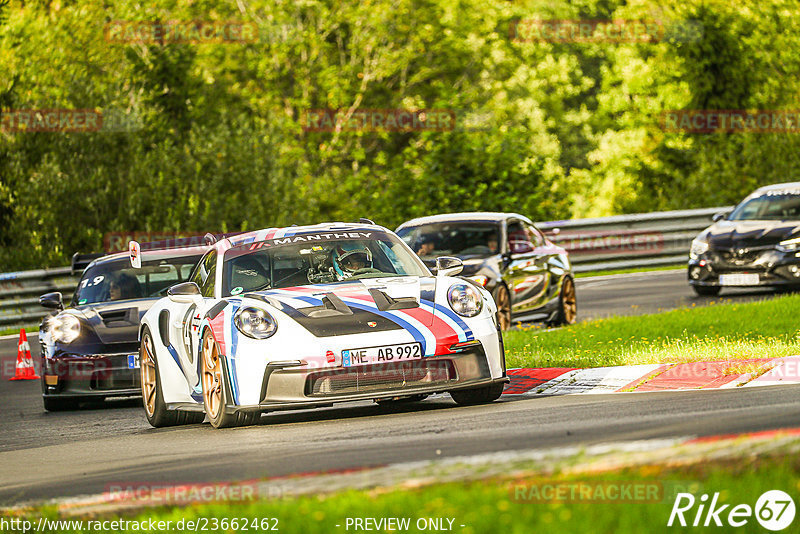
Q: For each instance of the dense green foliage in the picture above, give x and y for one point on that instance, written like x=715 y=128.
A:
x=566 y=129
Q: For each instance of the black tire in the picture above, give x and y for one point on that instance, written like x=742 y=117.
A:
x=220 y=418
x=484 y=395
x=567 y=312
x=502 y=298
x=157 y=414
x=707 y=291
x=55 y=404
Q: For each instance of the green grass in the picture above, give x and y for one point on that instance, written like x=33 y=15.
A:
x=15 y=330
x=715 y=332
x=497 y=505
x=634 y=270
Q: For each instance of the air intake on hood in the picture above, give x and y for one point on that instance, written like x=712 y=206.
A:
x=113 y=316
x=385 y=303
x=331 y=305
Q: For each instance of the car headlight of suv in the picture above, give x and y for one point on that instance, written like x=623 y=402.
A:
x=255 y=322
x=699 y=246
x=465 y=300
x=65 y=327
x=789 y=245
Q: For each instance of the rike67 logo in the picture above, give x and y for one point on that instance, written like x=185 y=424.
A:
x=774 y=510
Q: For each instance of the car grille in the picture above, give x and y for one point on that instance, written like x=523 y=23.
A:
x=380 y=377
x=740 y=256
x=736 y=259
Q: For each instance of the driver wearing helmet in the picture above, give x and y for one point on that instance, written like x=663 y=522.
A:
x=349 y=258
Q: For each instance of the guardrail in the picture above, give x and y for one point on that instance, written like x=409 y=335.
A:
x=605 y=243
x=20 y=291
x=629 y=241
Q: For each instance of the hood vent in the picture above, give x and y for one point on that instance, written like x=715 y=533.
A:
x=116 y=316
x=387 y=303
x=331 y=305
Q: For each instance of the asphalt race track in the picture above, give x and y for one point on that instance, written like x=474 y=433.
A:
x=46 y=455
x=649 y=292
x=64 y=454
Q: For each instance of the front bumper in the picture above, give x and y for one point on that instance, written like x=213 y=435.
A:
x=300 y=387
x=95 y=375
x=773 y=268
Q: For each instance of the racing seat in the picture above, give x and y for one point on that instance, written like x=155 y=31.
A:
x=249 y=274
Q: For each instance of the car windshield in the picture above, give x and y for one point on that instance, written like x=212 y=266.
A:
x=461 y=238
x=117 y=280
x=316 y=259
x=779 y=205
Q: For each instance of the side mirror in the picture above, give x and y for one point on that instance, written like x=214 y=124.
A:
x=719 y=216
x=448 y=266
x=53 y=301
x=185 y=293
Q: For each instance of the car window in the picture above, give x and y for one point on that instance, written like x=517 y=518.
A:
x=210 y=266
x=117 y=280
x=203 y=274
x=457 y=238
x=316 y=259
x=519 y=239
x=534 y=235
x=777 y=205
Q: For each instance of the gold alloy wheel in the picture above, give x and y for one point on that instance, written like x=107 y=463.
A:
x=147 y=366
x=570 y=302
x=212 y=377
x=503 y=309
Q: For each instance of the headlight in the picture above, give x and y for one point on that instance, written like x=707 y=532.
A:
x=65 y=327
x=465 y=300
x=790 y=245
x=480 y=279
x=699 y=246
x=255 y=322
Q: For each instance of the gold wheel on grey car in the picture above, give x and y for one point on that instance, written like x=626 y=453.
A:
x=503 y=302
x=570 y=301
x=567 y=312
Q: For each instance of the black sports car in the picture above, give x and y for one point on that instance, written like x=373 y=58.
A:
x=757 y=244
x=90 y=350
x=529 y=277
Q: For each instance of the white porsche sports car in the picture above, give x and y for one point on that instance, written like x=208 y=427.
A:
x=306 y=316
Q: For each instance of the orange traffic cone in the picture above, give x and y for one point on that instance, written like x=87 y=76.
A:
x=25 y=370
